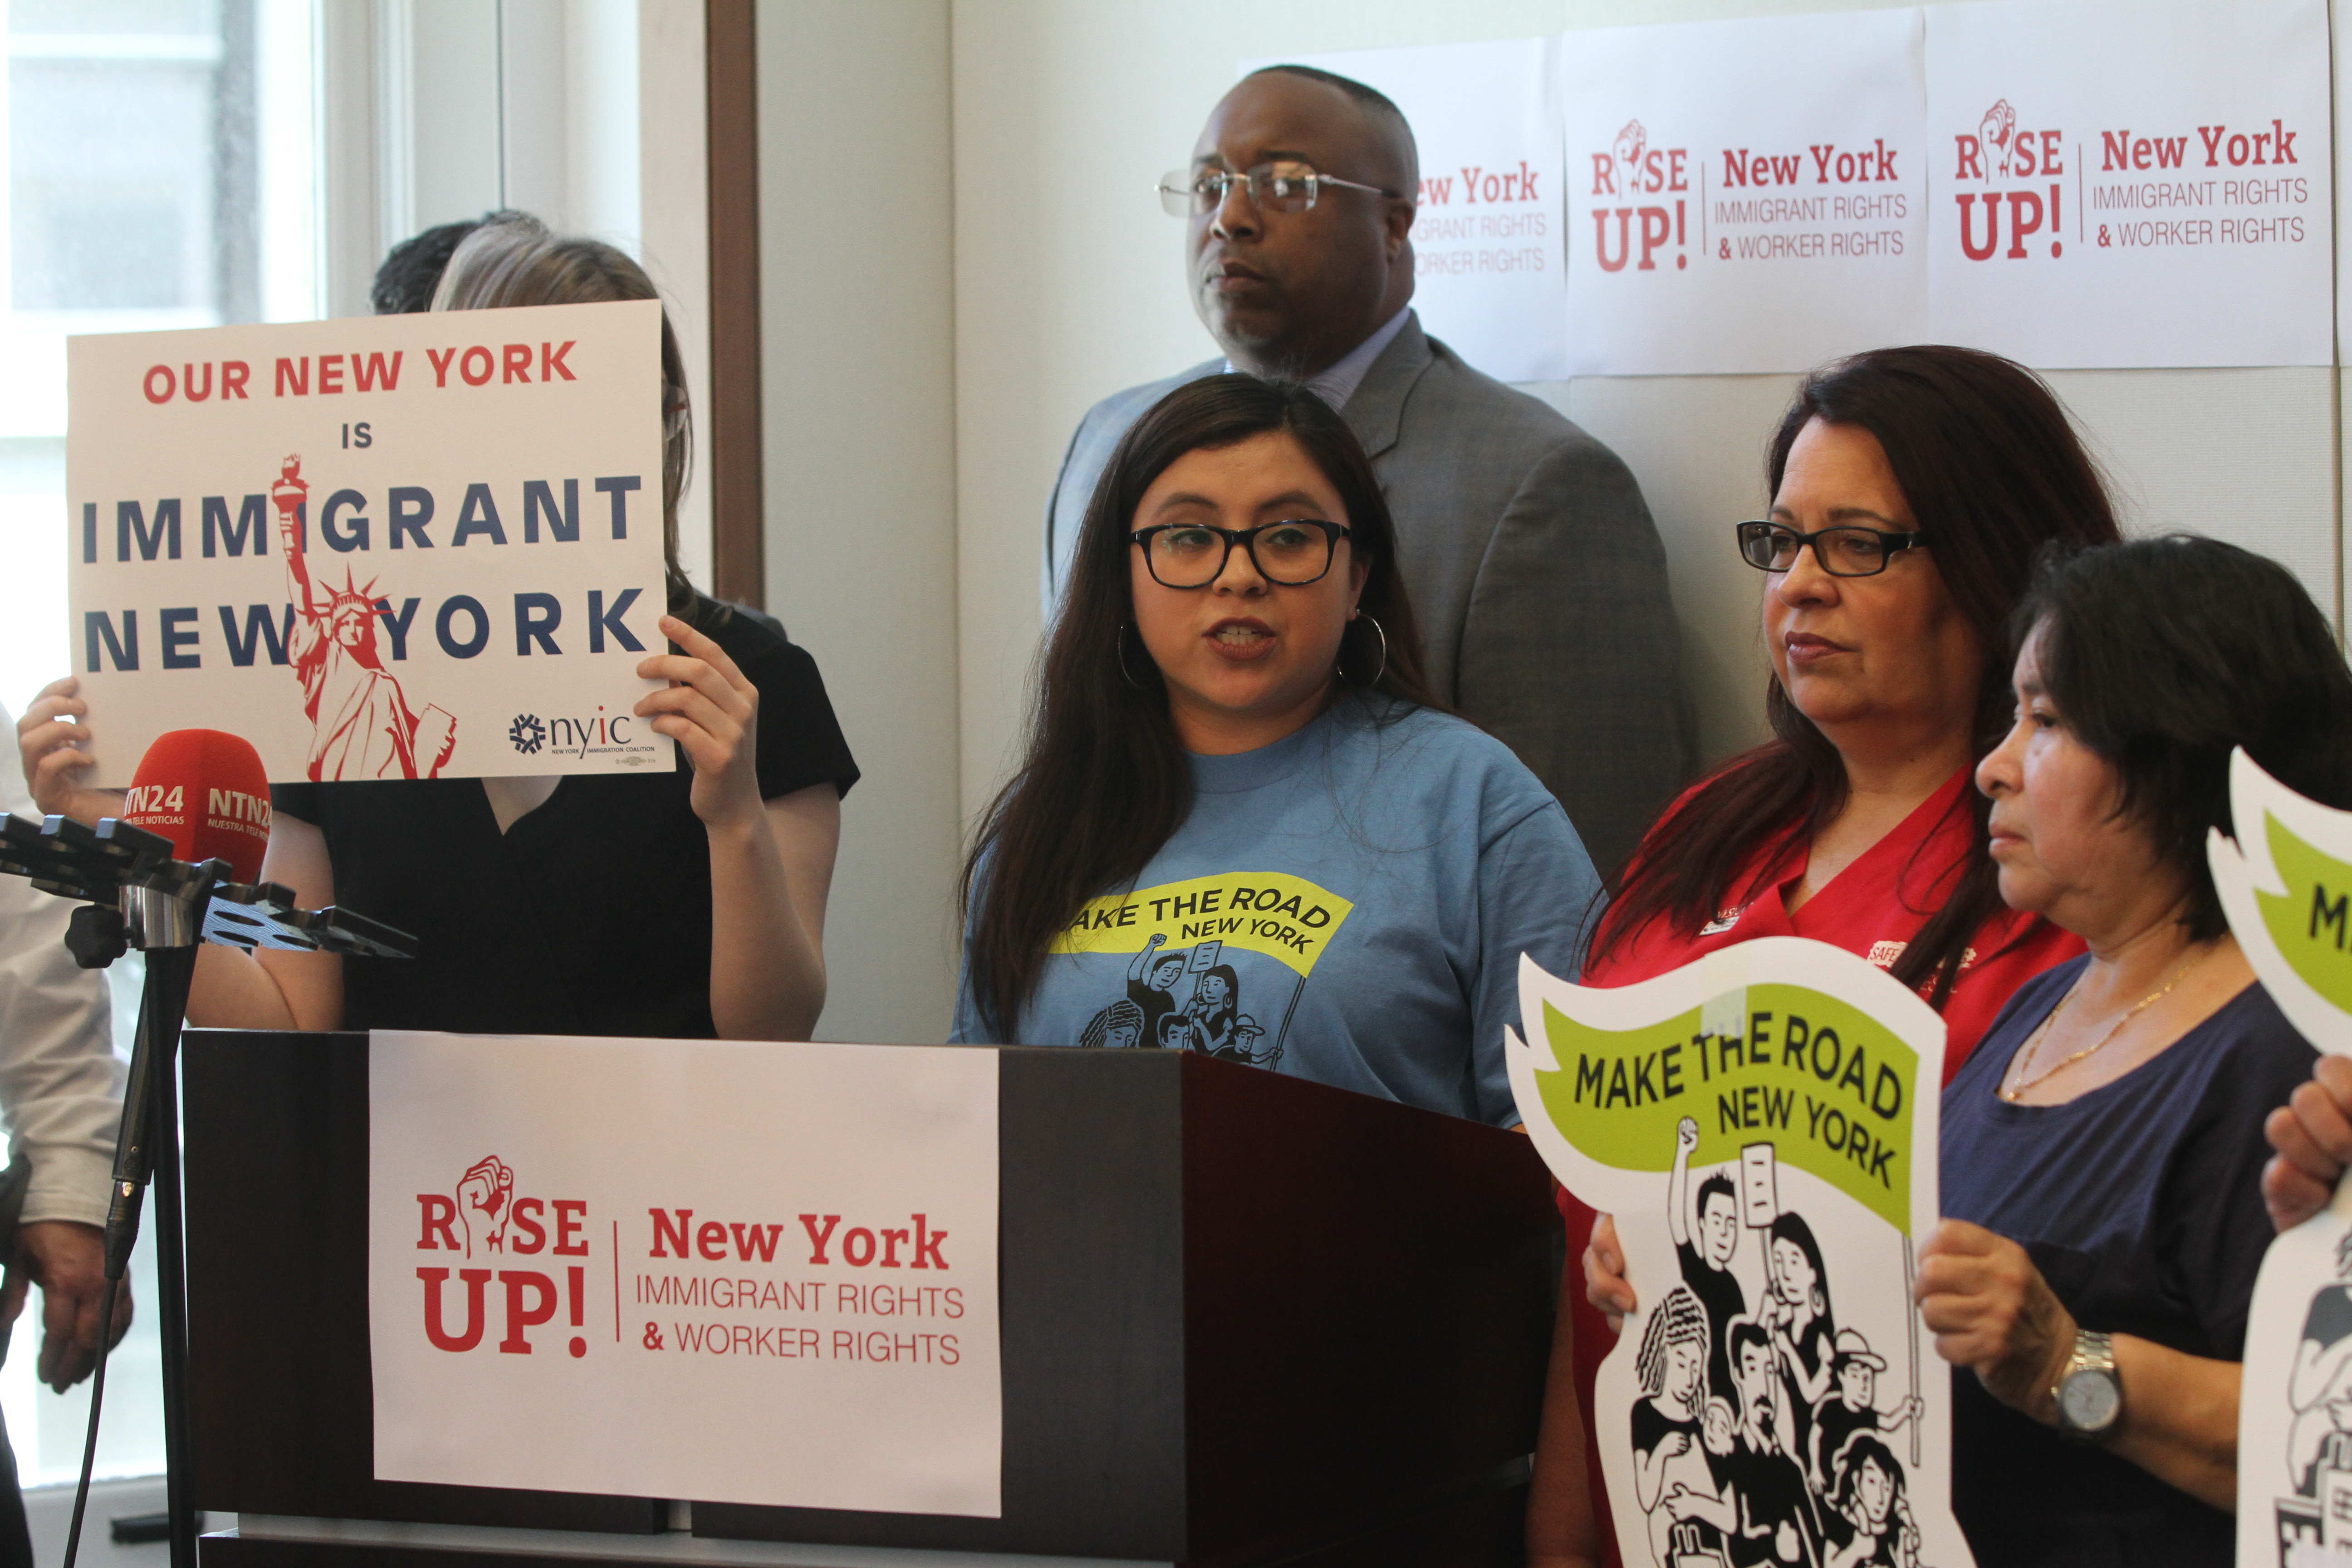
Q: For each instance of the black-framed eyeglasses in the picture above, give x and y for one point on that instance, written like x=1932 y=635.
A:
x=1290 y=554
x=1284 y=186
x=1847 y=549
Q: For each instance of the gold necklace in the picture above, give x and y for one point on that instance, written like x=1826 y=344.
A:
x=2015 y=1092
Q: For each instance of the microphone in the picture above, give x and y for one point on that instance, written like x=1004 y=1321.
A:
x=206 y=792
x=180 y=866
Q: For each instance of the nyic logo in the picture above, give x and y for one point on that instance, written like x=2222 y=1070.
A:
x=1631 y=169
x=2001 y=152
x=527 y=734
x=473 y=1219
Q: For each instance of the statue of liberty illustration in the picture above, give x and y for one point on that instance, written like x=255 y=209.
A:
x=362 y=727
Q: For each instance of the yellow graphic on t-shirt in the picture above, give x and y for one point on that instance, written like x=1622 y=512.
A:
x=1286 y=918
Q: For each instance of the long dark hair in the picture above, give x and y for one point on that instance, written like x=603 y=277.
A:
x=1104 y=781
x=2165 y=655
x=1993 y=473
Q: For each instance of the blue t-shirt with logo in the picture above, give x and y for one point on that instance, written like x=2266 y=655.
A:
x=1347 y=905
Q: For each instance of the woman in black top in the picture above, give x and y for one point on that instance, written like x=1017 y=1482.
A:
x=689 y=903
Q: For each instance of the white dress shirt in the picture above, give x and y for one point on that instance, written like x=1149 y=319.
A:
x=61 y=1081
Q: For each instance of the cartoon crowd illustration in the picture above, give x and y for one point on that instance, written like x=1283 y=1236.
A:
x=362 y=726
x=1207 y=1018
x=1760 y=1437
x=2317 y=1512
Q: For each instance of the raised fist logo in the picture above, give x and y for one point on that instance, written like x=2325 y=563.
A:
x=1631 y=143
x=485 y=1194
x=1998 y=122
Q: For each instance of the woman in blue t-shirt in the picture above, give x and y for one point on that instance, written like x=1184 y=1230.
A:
x=1243 y=824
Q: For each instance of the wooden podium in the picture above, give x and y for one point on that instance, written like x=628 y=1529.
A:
x=1247 y=1320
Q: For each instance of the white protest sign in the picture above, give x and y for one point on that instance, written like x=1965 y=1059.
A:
x=1489 y=273
x=1763 y=1124
x=2284 y=885
x=686 y=1268
x=2131 y=182
x=1744 y=197
x=392 y=547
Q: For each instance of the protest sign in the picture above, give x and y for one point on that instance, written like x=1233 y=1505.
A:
x=1488 y=274
x=2285 y=885
x=1720 y=222
x=2122 y=183
x=407 y=546
x=1763 y=1124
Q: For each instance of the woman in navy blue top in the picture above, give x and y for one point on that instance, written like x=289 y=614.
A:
x=2103 y=1147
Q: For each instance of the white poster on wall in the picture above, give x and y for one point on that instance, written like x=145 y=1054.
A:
x=392 y=547
x=1487 y=255
x=2122 y=183
x=1744 y=197
x=686 y=1268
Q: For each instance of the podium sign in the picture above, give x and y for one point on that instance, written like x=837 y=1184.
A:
x=753 y=1274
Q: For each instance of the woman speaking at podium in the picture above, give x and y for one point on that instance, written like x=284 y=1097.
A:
x=681 y=904
x=1242 y=826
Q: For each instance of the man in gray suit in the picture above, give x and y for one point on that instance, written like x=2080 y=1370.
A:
x=1533 y=565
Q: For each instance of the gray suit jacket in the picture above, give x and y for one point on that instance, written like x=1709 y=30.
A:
x=1534 y=568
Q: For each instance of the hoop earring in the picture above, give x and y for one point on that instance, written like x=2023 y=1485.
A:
x=1119 y=643
x=1382 y=633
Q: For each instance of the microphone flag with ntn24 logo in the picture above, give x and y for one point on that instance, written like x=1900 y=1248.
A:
x=418 y=546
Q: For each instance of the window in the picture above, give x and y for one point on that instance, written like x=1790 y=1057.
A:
x=161 y=170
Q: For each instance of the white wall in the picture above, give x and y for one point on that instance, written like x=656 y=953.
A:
x=857 y=315
x=962 y=252
x=1068 y=288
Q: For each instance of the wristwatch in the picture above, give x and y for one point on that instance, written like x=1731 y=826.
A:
x=2089 y=1395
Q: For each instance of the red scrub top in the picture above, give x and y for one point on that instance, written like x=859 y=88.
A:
x=1873 y=908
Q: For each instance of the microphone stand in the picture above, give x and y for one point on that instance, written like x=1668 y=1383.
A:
x=135 y=895
x=162 y=918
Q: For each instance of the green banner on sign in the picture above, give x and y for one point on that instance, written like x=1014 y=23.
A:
x=1816 y=1077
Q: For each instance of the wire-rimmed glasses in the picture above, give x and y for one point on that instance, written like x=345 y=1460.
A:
x=1847 y=549
x=1290 y=553
x=1285 y=185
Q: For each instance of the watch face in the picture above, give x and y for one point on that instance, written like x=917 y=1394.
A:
x=2089 y=1400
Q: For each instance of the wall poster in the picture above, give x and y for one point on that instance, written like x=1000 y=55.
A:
x=2131 y=182
x=1744 y=196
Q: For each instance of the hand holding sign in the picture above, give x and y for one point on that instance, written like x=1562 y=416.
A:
x=53 y=740
x=712 y=709
x=1994 y=1314
x=2312 y=1135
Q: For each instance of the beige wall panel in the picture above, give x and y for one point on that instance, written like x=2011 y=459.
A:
x=1696 y=443
x=2248 y=456
x=857 y=313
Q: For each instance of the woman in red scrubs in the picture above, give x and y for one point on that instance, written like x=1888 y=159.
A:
x=1912 y=489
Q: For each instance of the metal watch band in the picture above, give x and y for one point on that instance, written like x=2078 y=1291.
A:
x=2095 y=1355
